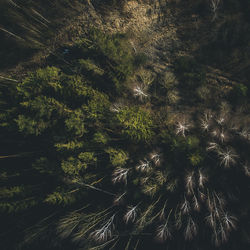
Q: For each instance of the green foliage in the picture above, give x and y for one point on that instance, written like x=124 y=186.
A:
x=192 y=142
x=101 y=138
x=91 y=67
x=31 y=126
x=195 y=159
x=71 y=145
x=17 y=206
x=72 y=166
x=97 y=106
x=136 y=123
x=11 y=192
x=75 y=123
x=44 y=166
x=177 y=143
x=62 y=197
x=75 y=166
x=117 y=157
x=58 y=97
x=45 y=80
x=140 y=59
x=68 y=119
x=113 y=53
x=87 y=158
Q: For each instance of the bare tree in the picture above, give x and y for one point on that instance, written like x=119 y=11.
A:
x=202 y=179
x=212 y=146
x=185 y=208
x=119 y=199
x=155 y=157
x=105 y=232
x=131 y=214
x=229 y=221
x=117 y=107
x=190 y=182
x=202 y=196
x=182 y=128
x=210 y=219
x=196 y=204
x=205 y=121
x=120 y=175
x=164 y=231
x=228 y=157
x=214 y=5
x=244 y=133
x=191 y=229
x=246 y=167
x=144 y=166
x=140 y=92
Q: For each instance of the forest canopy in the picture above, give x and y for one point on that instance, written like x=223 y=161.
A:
x=126 y=137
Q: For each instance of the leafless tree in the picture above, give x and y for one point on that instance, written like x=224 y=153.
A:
x=212 y=146
x=131 y=214
x=211 y=220
x=202 y=179
x=229 y=221
x=182 y=127
x=244 y=133
x=205 y=121
x=155 y=157
x=246 y=167
x=223 y=233
x=221 y=119
x=120 y=175
x=205 y=125
x=117 y=107
x=191 y=229
x=202 y=196
x=228 y=157
x=119 y=199
x=196 y=203
x=190 y=182
x=185 y=207
x=162 y=213
x=140 y=92
x=105 y=232
x=144 y=166
x=163 y=232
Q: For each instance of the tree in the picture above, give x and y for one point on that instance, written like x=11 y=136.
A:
x=214 y=5
x=136 y=123
x=109 y=56
x=58 y=113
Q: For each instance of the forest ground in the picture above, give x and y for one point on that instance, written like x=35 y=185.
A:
x=161 y=29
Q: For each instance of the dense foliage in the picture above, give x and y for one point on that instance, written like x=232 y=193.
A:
x=100 y=153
